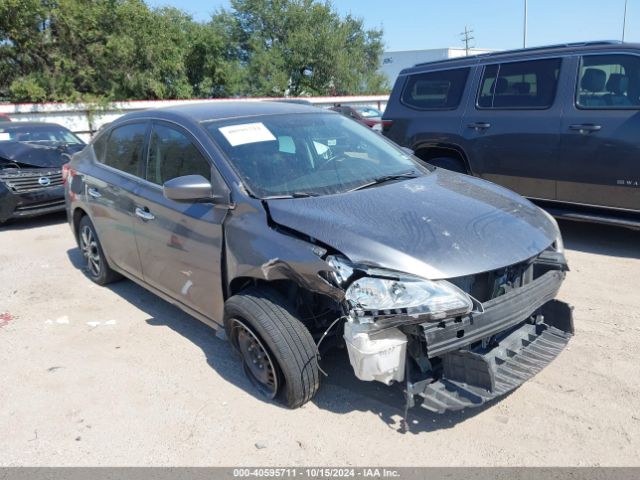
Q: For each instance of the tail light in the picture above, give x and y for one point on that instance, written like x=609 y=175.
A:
x=67 y=173
x=386 y=125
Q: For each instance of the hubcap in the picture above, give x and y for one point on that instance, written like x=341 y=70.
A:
x=256 y=360
x=89 y=247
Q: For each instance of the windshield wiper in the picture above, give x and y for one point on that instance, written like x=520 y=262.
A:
x=387 y=178
x=292 y=195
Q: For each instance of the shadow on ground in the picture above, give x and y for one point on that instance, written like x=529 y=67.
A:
x=34 y=222
x=601 y=239
x=341 y=392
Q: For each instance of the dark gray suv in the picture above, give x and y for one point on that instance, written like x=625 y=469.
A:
x=559 y=125
x=293 y=229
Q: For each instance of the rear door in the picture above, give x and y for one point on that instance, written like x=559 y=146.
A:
x=511 y=134
x=110 y=187
x=180 y=243
x=600 y=147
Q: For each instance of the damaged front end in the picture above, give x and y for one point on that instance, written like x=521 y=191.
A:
x=31 y=179
x=459 y=342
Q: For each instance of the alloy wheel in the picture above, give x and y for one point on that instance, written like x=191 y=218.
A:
x=89 y=247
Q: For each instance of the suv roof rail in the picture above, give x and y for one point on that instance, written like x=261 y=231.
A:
x=530 y=49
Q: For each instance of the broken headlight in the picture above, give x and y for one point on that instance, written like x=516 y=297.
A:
x=440 y=299
x=558 y=244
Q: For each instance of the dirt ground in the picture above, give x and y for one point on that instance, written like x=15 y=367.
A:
x=116 y=376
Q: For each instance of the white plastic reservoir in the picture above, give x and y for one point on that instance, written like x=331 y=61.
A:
x=379 y=356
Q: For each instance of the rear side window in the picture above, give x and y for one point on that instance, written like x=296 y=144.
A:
x=520 y=85
x=435 y=90
x=172 y=154
x=124 y=148
x=609 y=82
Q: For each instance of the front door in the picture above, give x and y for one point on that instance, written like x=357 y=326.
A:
x=511 y=133
x=600 y=147
x=180 y=244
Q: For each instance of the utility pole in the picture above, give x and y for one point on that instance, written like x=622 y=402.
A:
x=466 y=38
x=624 y=20
x=524 y=35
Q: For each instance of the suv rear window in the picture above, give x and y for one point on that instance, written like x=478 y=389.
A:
x=609 y=82
x=523 y=85
x=435 y=90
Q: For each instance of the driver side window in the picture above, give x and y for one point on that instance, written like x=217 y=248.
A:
x=172 y=154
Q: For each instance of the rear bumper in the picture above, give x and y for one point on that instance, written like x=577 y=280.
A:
x=472 y=377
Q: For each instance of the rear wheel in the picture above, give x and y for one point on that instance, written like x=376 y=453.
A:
x=277 y=351
x=96 y=265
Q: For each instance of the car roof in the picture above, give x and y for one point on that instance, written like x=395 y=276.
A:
x=208 y=111
x=31 y=125
x=564 y=48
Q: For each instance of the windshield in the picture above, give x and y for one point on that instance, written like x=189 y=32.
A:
x=368 y=112
x=16 y=133
x=308 y=154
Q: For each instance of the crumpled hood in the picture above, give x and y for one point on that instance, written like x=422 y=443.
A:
x=45 y=155
x=442 y=225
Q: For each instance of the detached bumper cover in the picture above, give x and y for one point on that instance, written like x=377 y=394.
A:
x=471 y=378
x=499 y=314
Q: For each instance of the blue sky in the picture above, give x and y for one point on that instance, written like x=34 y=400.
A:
x=418 y=24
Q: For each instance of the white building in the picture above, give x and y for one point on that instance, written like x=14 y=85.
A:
x=393 y=62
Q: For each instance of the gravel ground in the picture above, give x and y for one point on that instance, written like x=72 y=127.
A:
x=116 y=376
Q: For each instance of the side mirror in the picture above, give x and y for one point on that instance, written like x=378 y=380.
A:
x=188 y=188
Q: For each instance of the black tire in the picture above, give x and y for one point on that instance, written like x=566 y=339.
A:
x=449 y=163
x=96 y=266
x=286 y=340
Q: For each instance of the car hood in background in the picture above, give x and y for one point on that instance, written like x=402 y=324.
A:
x=45 y=155
x=442 y=225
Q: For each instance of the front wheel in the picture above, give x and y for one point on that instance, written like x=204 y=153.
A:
x=278 y=353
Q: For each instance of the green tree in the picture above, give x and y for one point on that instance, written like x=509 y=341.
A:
x=277 y=40
x=107 y=50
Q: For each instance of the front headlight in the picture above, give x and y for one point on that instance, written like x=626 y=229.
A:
x=558 y=243
x=438 y=298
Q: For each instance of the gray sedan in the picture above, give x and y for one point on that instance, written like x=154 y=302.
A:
x=292 y=230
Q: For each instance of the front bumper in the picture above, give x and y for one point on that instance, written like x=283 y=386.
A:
x=499 y=314
x=486 y=355
x=29 y=199
x=473 y=377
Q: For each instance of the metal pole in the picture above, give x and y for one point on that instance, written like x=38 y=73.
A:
x=624 y=20
x=524 y=37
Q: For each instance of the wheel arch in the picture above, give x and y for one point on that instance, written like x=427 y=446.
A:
x=78 y=213
x=427 y=151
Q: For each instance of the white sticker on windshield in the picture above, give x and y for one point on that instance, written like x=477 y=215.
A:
x=246 y=133
x=5 y=136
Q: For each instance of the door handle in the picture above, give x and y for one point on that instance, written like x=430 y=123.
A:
x=144 y=214
x=586 y=128
x=94 y=192
x=479 y=125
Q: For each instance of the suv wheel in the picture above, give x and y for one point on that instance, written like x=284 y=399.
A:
x=449 y=163
x=96 y=265
x=278 y=353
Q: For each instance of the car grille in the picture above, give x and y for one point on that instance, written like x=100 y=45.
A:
x=25 y=181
